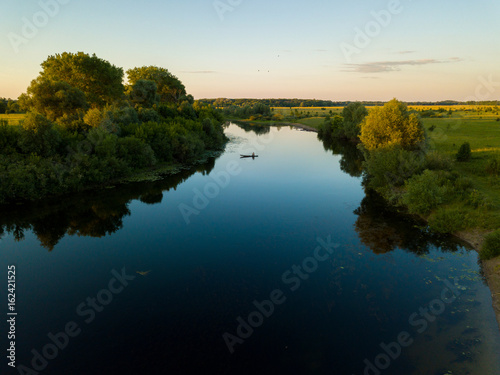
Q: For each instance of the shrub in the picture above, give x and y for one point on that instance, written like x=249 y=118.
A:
x=158 y=137
x=125 y=115
x=476 y=199
x=392 y=166
x=493 y=167
x=135 y=152
x=437 y=161
x=9 y=136
x=491 y=246
x=464 y=153
x=463 y=184
x=39 y=136
x=148 y=114
x=167 y=112
x=449 y=220
x=423 y=192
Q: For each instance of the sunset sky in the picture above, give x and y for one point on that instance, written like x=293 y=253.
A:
x=416 y=50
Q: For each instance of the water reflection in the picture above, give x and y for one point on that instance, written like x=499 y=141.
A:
x=352 y=158
x=93 y=214
x=382 y=229
x=253 y=127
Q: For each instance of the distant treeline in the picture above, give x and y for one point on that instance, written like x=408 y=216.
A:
x=224 y=102
x=8 y=106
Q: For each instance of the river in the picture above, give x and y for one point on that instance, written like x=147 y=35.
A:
x=279 y=264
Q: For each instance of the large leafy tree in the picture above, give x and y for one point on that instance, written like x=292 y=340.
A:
x=170 y=89
x=143 y=93
x=99 y=80
x=392 y=126
x=53 y=99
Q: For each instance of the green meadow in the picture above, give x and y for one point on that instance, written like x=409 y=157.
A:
x=446 y=135
x=13 y=119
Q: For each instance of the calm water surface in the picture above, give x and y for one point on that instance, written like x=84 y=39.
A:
x=338 y=279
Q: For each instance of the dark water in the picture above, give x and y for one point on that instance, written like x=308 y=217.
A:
x=289 y=241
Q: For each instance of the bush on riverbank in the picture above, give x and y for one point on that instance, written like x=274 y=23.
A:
x=347 y=126
x=449 y=220
x=491 y=246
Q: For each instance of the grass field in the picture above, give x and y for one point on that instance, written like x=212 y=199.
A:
x=483 y=136
x=12 y=119
x=458 y=110
x=314 y=122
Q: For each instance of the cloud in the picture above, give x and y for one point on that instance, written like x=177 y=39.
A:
x=199 y=71
x=405 y=52
x=394 y=66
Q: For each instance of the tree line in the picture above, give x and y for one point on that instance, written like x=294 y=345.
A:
x=9 y=106
x=226 y=102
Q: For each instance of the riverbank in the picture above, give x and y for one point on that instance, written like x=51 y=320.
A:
x=147 y=174
x=491 y=267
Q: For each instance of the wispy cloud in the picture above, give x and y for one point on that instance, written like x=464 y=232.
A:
x=199 y=71
x=406 y=52
x=394 y=66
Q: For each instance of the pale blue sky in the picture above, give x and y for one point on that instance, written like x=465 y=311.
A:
x=429 y=50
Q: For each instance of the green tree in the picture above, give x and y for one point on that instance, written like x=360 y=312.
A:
x=464 y=152
x=392 y=125
x=143 y=93
x=53 y=99
x=100 y=81
x=170 y=88
x=353 y=115
x=3 y=105
x=12 y=107
x=39 y=136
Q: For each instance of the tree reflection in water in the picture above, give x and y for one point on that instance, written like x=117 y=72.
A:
x=351 y=161
x=92 y=213
x=380 y=227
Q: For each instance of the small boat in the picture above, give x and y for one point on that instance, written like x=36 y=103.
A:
x=248 y=156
